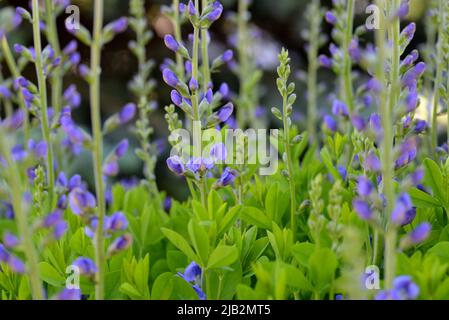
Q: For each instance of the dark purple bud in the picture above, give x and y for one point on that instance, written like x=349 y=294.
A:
x=4 y=92
x=364 y=186
x=403 y=10
x=120 y=25
x=224 y=90
x=192 y=10
x=16 y=264
x=111 y=169
x=409 y=217
x=62 y=202
x=4 y=254
x=121 y=148
x=175 y=164
x=421 y=126
x=121 y=243
x=329 y=123
x=420 y=233
x=228 y=176
x=339 y=108
x=342 y=172
x=192 y=272
x=372 y=163
x=75 y=58
x=69 y=295
x=409 y=31
x=193 y=84
x=170 y=78
x=363 y=209
x=176 y=98
x=171 y=43
x=188 y=66
x=330 y=18
x=216 y=12
x=325 y=61
x=354 y=50
x=10 y=240
x=375 y=122
x=18 y=153
x=411 y=101
x=228 y=56
x=127 y=113
x=225 y=112
x=59 y=230
x=417 y=176
x=167 y=204
x=84 y=70
x=86 y=266
x=410 y=77
x=209 y=96
x=70 y=48
x=374 y=85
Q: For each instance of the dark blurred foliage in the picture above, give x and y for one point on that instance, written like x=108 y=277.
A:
x=280 y=22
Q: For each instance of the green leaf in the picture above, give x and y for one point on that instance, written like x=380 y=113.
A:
x=229 y=219
x=200 y=241
x=162 y=287
x=129 y=290
x=322 y=267
x=222 y=256
x=256 y=217
x=302 y=252
x=435 y=180
x=424 y=200
x=441 y=250
x=50 y=275
x=179 y=242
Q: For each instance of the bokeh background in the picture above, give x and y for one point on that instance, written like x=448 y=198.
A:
x=275 y=24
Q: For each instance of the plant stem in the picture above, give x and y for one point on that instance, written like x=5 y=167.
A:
x=312 y=72
x=438 y=80
x=56 y=77
x=387 y=144
x=13 y=175
x=98 y=145
x=15 y=73
x=43 y=97
x=205 y=54
x=291 y=180
x=178 y=37
x=243 y=61
x=347 y=73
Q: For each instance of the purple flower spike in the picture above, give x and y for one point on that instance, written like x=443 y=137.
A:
x=121 y=148
x=175 y=164
x=127 y=113
x=363 y=209
x=171 y=43
x=364 y=186
x=225 y=112
x=86 y=266
x=170 y=78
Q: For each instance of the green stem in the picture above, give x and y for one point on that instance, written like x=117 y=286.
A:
x=387 y=145
x=291 y=179
x=52 y=35
x=347 y=73
x=205 y=54
x=43 y=97
x=312 y=73
x=98 y=145
x=13 y=175
x=243 y=60
x=178 y=37
x=15 y=73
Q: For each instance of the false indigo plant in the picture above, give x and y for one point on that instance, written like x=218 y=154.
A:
x=357 y=210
